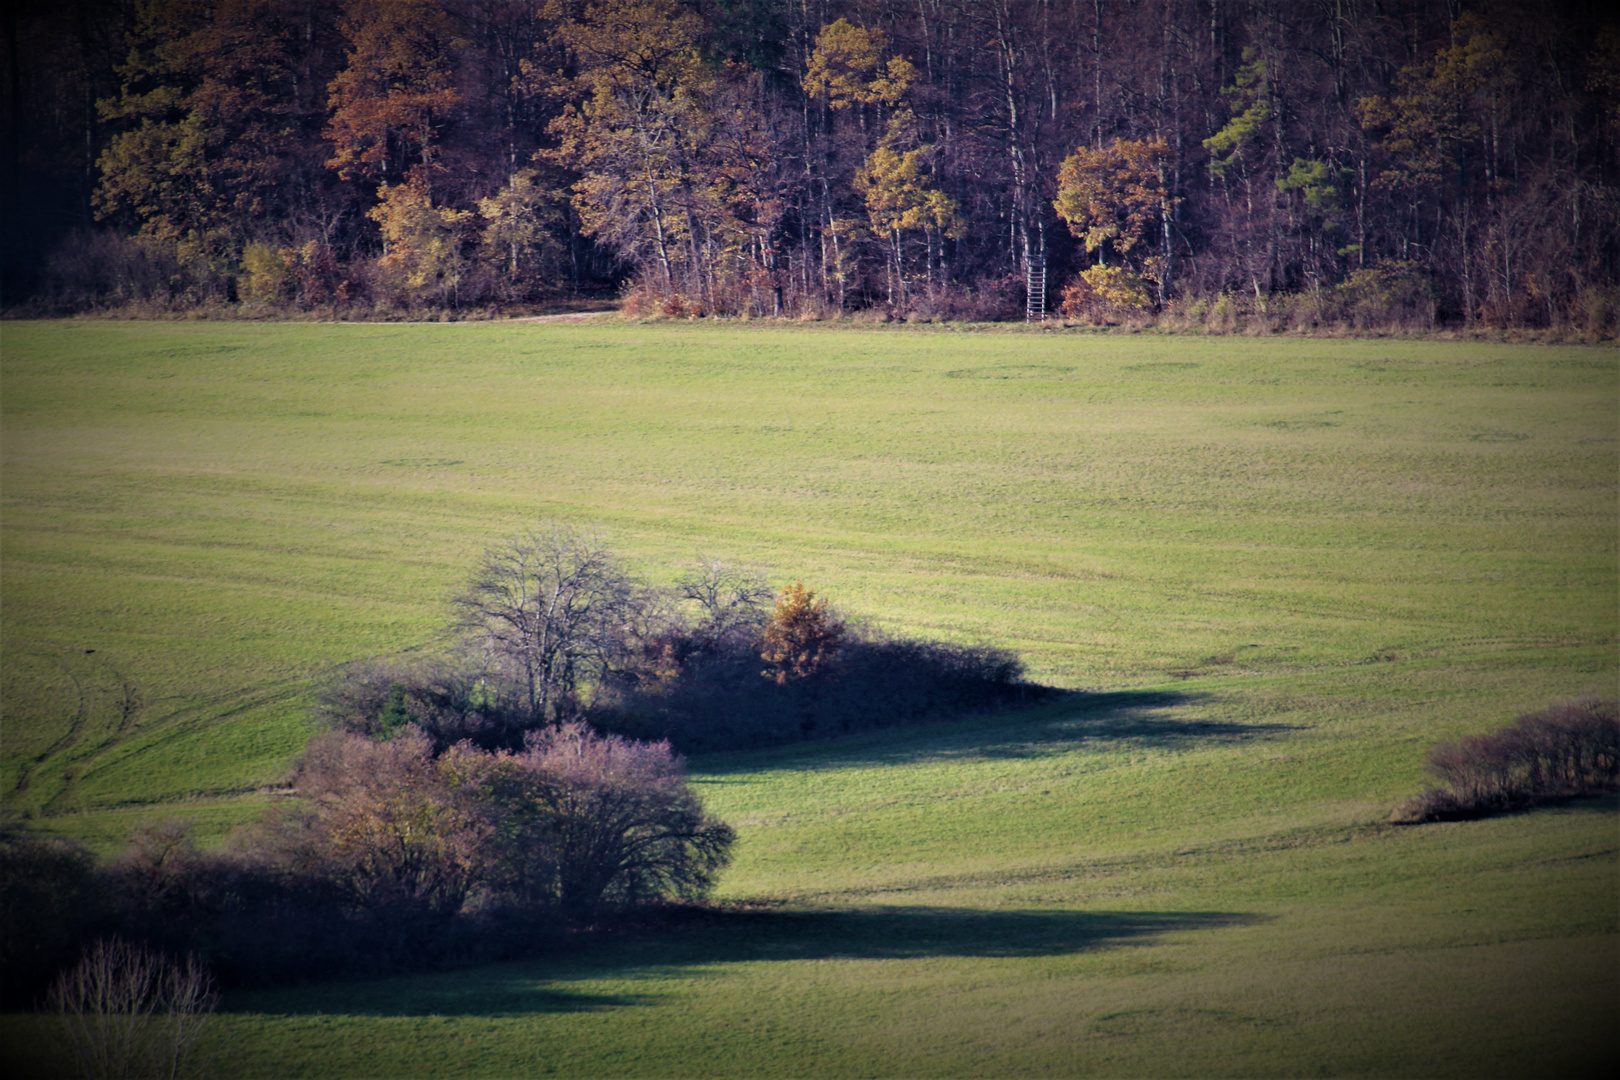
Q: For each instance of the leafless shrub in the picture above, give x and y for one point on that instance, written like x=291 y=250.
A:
x=1566 y=750
x=128 y=1012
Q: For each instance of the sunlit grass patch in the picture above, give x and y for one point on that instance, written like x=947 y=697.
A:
x=1270 y=575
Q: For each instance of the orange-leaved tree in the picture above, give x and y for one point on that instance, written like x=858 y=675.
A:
x=801 y=637
x=397 y=90
x=1117 y=197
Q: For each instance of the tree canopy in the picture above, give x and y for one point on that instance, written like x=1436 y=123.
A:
x=771 y=158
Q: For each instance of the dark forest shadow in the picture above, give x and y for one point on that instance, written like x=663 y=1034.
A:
x=680 y=941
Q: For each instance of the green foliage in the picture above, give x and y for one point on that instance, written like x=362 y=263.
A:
x=1440 y=106
x=1320 y=185
x=1250 y=100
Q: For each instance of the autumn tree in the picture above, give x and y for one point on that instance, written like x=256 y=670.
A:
x=207 y=148
x=396 y=89
x=517 y=231
x=1117 y=198
x=1443 y=132
x=859 y=91
x=802 y=636
x=847 y=69
x=901 y=198
x=666 y=147
x=424 y=246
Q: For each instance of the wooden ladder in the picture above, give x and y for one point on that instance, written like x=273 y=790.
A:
x=1035 y=306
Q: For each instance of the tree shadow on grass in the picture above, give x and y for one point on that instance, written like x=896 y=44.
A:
x=681 y=944
x=1062 y=720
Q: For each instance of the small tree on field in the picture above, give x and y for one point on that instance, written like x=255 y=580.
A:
x=801 y=637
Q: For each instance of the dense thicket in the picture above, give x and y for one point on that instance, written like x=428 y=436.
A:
x=391 y=854
x=553 y=628
x=1357 y=161
x=1560 y=752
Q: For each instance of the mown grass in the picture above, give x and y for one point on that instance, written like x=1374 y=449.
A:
x=1277 y=571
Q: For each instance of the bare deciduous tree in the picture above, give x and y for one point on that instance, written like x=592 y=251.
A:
x=128 y=1012
x=731 y=597
x=550 y=610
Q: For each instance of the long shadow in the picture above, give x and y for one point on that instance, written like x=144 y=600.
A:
x=1061 y=720
x=689 y=943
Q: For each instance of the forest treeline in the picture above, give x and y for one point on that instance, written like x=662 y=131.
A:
x=1231 y=163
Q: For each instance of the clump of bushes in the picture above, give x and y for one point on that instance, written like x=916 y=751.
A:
x=553 y=628
x=1103 y=294
x=393 y=855
x=1567 y=750
x=488 y=801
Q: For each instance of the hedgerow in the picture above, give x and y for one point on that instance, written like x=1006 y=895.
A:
x=1564 y=751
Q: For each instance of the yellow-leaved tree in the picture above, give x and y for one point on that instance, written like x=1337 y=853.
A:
x=1117 y=199
x=801 y=637
x=424 y=245
x=901 y=198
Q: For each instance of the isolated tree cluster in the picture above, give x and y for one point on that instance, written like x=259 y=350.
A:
x=1561 y=752
x=553 y=627
x=490 y=799
x=1234 y=164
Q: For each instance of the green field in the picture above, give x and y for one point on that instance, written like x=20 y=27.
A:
x=1278 y=569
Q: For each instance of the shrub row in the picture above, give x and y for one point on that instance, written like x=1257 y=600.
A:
x=1564 y=751
x=720 y=701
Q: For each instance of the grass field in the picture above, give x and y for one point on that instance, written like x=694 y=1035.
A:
x=1273 y=571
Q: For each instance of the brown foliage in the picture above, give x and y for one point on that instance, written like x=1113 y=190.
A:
x=802 y=636
x=1563 y=751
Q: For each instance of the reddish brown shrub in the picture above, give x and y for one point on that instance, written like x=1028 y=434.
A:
x=1567 y=750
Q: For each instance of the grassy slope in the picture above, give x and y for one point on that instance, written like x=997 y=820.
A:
x=1291 y=565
